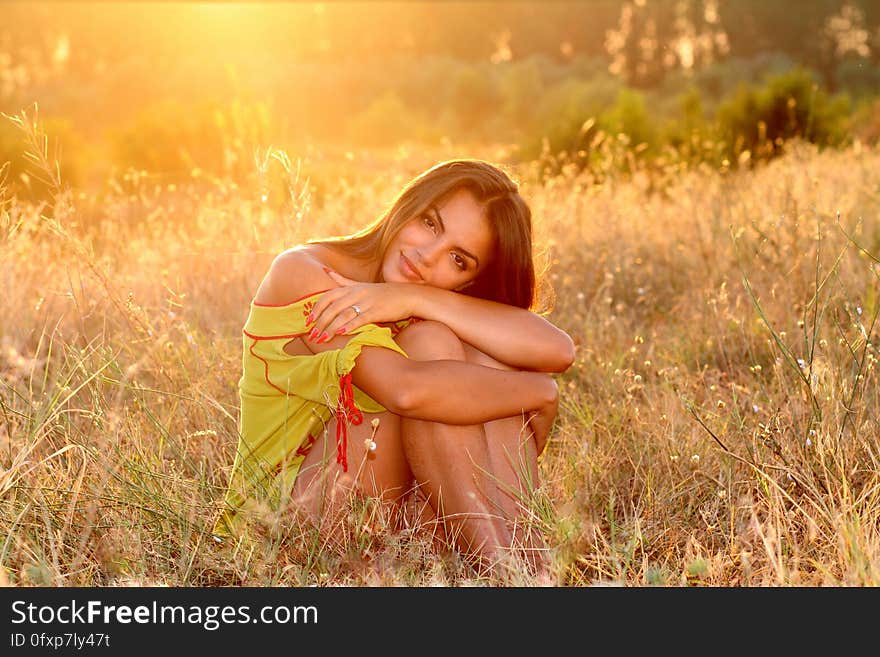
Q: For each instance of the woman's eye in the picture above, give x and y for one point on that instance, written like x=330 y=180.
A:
x=459 y=261
x=429 y=222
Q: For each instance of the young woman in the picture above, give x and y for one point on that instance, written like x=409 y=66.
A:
x=405 y=356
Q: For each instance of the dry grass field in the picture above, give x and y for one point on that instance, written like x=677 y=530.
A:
x=719 y=427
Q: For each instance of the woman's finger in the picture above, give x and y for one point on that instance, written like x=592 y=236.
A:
x=322 y=321
x=346 y=320
x=540 y=430
x=344 y=323
x=340 y=311
x=323 y=302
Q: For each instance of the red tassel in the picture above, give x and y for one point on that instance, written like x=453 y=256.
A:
x=346 y=412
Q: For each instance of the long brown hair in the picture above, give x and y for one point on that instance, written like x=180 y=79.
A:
x=509 y=277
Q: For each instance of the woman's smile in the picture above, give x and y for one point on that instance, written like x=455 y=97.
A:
x=408 y=269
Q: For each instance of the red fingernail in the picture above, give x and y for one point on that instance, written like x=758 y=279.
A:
x=312 y=334
x=310 y=318
x=340 y=331
x=324 y=338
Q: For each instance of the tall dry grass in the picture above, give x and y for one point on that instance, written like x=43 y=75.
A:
x=718 y=428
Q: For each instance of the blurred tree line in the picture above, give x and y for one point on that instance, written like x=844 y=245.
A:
x=643 y=39
x=183 y=87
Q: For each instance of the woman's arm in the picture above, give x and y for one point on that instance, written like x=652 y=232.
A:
x=449 y=391
x=456 y=392
x=515 y=336
x=453 y=392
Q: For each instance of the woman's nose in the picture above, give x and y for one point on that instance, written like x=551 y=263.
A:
x=428 y=253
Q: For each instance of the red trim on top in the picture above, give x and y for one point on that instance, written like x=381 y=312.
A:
x=265 y=368
x=290 y=303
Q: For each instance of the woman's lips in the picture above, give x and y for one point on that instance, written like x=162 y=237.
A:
x=408 y=269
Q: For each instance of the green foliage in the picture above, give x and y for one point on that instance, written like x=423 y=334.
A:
x=543 y=105
x=562 y=113
x=691 y=134
x=691 y=103
x=760 y=120
x=865 y=122
x=723 y=78
x=591 y=122
x=629 y=116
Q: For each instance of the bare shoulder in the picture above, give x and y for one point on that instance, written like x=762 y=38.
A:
x=294 y=274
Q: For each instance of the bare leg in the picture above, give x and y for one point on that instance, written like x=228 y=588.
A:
x=382 y=472
x=452 y=464
x=322 y=490
x=513 y=462
x=476 y=479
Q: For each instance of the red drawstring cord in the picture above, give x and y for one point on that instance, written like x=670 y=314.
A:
x=346 y=412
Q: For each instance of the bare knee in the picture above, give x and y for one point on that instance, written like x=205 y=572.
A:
x=429 y=340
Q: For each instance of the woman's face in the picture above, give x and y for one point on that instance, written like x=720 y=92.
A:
x=445 y=247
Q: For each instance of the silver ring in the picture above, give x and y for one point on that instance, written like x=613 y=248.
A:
x=357 y=310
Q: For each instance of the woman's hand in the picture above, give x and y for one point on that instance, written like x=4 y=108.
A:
x=334 y=312
x=541 y=420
